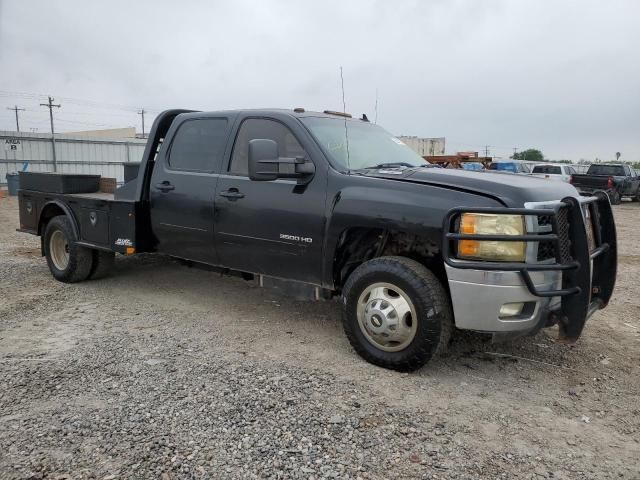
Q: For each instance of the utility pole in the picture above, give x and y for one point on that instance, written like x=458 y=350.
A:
x=515 y=150
x=141 y=113
x=50 y=106
x=16 y=109
x=486 y=150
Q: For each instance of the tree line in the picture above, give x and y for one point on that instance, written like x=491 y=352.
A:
x=535 y=155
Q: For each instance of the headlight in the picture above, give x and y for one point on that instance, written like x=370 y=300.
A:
x=492 y=224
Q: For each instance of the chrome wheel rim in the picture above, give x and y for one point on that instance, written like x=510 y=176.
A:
x=59 y=250
x=387 y=317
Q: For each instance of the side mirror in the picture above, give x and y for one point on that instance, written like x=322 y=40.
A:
x=266 y=165
x=263 y=159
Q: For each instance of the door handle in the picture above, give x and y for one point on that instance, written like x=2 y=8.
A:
x=165 y=186
x=232 y=194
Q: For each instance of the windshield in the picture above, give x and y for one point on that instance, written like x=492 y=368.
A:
x=548 y=169
x=504 y=166
x=369 y=145
x=606 y=170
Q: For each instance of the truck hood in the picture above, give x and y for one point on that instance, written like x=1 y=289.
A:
x=511 y=189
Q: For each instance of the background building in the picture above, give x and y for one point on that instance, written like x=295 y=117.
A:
x=75 y=153
x=425 y=146
x=126 y=132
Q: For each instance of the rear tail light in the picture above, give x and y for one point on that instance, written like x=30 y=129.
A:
x=571 y=179
x=610 y=182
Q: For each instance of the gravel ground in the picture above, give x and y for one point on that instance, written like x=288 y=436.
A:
x=162 y=371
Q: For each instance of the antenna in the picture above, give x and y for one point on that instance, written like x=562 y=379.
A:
x=376 y=108
x=344 y=110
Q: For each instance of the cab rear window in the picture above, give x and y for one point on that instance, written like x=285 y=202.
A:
x=615 y=170
x=547 y=169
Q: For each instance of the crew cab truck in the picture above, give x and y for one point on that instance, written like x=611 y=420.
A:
x=618 y=180
x=339 y=204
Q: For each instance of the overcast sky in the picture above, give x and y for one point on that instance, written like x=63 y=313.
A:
x=562 y=76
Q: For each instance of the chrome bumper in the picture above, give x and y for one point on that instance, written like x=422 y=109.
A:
x=478 y=295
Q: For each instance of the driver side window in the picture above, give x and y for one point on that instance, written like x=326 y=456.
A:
x=254 y=128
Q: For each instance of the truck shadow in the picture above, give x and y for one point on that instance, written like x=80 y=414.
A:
x=316 y=325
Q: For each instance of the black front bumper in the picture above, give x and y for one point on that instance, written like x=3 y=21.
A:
x=588 y=267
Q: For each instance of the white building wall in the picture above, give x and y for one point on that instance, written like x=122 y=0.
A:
x=425 y=146
x=74 y=153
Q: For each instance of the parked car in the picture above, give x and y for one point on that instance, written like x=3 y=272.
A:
x=554 y=171
x=618 y=180
x=280 y=196
x=512 y=166
x=475 y=166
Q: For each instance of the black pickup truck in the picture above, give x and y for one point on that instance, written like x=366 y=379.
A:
x=618 y=180
x=340 y=206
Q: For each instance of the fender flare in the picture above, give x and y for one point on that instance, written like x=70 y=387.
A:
x=67 y=211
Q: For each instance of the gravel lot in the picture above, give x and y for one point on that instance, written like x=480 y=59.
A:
x=162 y=371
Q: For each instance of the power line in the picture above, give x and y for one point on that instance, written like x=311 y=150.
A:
x=76 y=101
x=16 y=110
x=50 y=106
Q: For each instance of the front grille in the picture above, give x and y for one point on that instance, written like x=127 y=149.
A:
x=547 y=249
x=544 y=220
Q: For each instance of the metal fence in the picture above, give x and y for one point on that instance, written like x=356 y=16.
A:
x=74 y=154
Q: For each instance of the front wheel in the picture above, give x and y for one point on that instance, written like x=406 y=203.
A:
x=396 y=313
x=68 y=262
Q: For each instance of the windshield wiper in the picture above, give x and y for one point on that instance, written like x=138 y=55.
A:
x=388 y=165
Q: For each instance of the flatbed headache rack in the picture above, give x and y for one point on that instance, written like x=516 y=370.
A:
x=588 y=274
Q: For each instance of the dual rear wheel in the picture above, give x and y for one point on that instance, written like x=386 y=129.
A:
x=68 y=261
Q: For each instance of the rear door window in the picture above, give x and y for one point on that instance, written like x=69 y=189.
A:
x=198 y=145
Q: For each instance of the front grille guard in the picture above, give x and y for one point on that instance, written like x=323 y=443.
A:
x=583 y=291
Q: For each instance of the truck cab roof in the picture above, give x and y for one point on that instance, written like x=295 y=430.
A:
x=267 y=112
